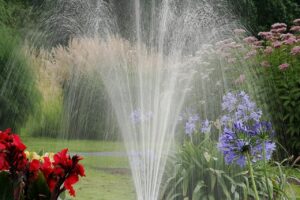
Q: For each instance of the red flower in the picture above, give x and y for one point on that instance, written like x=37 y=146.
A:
x=34 y=167
x=63 y=170
x=12 y=156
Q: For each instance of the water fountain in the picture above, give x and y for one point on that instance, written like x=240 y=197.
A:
x=147 y=74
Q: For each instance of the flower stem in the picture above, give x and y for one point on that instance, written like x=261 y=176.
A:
x=265 y=170
x=252 y=176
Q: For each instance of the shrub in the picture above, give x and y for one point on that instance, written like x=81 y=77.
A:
x=19 y=95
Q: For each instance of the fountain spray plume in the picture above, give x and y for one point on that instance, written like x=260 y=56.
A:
x=146 y=75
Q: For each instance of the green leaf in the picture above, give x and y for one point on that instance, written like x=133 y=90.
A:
x=6 y=187
x=39 y=189
x=197 y=191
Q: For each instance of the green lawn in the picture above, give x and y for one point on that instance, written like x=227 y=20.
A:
x=107 y=178
x=54 y=145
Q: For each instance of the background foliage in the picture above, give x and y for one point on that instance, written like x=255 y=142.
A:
x=259 y=15
x=18 y=93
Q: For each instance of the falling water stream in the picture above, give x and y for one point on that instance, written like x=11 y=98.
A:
x=146 y=72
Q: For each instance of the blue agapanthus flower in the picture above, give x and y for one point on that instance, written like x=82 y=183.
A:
x=137 y=116
x=243 y=131
x=190 y=125
x=239 y=107
x=241 y=140
x=205 y=128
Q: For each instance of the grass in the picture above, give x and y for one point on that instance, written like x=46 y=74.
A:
x=53 y=145
x=107 y=178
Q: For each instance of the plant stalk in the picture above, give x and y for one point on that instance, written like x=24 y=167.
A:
x=265 y=171
x=252 y=176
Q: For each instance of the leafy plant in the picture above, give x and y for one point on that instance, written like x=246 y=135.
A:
x=19 y=95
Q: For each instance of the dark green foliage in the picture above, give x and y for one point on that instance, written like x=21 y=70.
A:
x=6 y=188
x=37 y=190
x=259 y=15
x=280 y=92
x=18 y=93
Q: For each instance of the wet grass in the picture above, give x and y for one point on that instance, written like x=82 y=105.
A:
x=54 y=145
x=107 y=178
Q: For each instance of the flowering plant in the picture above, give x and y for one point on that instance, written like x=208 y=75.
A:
x=245 y=138
x=31 y=176
x=273 y=65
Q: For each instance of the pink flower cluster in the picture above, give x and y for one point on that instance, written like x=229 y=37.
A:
x=280 y=35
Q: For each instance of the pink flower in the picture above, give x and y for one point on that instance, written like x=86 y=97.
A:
x=250 y=39
x=265 y=64
x=278 y=30
x=295 y=28
x=277 y=44
x=265 y=35
x=295 y=50
x=283 y=66
x=286 y=36
x=268 y=50
x=290 y=41
x=239 y=31
x=240 y=79
x=250 y=54
x=278 y=25
x=296 y=21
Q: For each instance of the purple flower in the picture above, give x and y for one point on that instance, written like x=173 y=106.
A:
x=241 y=140
x=136 y=116
x=205 y=126
x=239 y=107
x=229 y=102
x=190 y=125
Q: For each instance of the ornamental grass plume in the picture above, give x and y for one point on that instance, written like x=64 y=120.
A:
x=239 y=31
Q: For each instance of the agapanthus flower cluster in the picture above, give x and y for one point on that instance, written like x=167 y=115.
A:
x=239 y=107
x=137 y=116
x=243 y=131
x=193 y=124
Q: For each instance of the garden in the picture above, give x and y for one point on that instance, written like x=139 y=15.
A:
x=149 y=99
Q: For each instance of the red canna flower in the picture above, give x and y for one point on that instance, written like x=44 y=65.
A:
x=12 y=156
x=34 y=167
x=64 y=170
